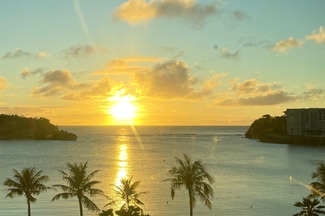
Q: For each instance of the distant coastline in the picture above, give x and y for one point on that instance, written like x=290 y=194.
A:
x=19 y=127
x=270 y=129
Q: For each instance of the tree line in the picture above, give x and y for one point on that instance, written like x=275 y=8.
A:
x=79 y=183
x=19 y=127
x=187 y=174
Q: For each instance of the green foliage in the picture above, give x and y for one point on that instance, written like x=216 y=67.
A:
x=108 y=212
x=131 y=211
x=80 y=185
x=318 y=186
x=18 y=127
x=194 y=177
x=28 y=183
x=128 y=194
x=309 y=207
x=267 y=125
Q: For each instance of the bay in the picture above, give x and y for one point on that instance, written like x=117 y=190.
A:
x=251 y=178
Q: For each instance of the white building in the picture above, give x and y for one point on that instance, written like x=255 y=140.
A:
x=309 y=121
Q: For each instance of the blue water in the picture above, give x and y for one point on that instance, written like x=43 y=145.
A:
x=251 y=178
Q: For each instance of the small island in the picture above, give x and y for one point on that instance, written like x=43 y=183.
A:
x=270 y=129
x=18 y=127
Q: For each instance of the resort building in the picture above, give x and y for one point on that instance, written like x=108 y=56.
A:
x=309 y=121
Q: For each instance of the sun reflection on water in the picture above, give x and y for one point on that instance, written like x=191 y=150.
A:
x=122 y=161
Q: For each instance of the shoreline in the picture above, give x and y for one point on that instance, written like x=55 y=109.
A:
x=292 y=139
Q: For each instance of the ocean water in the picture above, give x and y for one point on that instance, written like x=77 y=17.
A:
x=251 y=178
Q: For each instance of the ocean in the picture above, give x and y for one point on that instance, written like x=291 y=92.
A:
x=251 y=178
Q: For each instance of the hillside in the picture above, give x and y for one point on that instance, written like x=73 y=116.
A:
x=18 y=127
x=267 y=125
x=274 y=130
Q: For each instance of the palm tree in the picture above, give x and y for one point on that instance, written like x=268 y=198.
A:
x=28 y=183
x=309 y=207
x=127 y=192
x=193 y=177
x=79 y=184
x=318 y=187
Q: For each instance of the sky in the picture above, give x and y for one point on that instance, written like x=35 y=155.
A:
x=173 y=62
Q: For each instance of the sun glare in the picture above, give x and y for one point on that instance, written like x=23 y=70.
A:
x=123 y=107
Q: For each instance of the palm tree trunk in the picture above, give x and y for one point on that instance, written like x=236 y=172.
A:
x=191 y=201
x=28 y=207
x=80 y=206
x=127 y=203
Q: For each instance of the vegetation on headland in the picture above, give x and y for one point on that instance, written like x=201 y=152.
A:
x=267 y=125
x=18 y=127
x=79 y=184
x=274 y=130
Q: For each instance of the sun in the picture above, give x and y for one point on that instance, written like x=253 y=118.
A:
x=123 y=107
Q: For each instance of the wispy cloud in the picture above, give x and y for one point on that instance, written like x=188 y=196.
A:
x=136 y=11
x=239 y=15
x=128 y=65
x=284 y=45
x=3 y=83
x=317 y=36
x=265 y=44
x=27 y=72
x=19 y=53
x=225 y=53
x=83 y=50
x=313 y=93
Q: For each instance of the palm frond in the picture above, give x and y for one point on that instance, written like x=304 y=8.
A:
x=66 y=195
x=89 y=204
x=194 y=177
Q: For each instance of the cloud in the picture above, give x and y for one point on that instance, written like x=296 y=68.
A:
x=62 y=77
x=60 y=83
x=252 y=86
x=19 y=53
x=272 y=98
x=41 y=55
x=255 y=93
x=99 y=89
x=244 y=42
x=27 y=72
x=284 y=45
x=136 y=11
x=172 y=79
x=318 y=37
x=313 y=93
x=225 y=53
x=128 y=65
x=3 y=83
x=27 y=111
x=176 y=53
x=53 y=83
x=239 y=15
x=83 y=50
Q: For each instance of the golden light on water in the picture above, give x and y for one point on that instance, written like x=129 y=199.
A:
x=122 y=162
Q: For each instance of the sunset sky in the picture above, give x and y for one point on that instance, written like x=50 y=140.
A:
x=177 y=62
